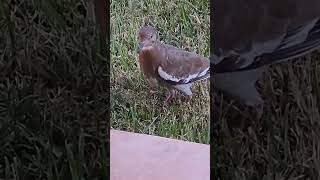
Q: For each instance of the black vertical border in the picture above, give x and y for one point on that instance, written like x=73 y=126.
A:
x=102 y=17
x=102 y=14
x=214 y=124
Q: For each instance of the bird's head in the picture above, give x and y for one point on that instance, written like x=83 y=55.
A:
x=147 y=36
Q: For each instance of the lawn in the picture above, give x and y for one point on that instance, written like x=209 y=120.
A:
x=285 y=143
x=53 y=89
x=137 y=107
x=53 y=92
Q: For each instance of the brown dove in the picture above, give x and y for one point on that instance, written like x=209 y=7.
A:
x=251 y=35
x=170 y=66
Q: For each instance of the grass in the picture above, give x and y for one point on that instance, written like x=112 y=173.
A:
x=134 y=105
x=285 y=143
x=52 y=82
x=53 y=89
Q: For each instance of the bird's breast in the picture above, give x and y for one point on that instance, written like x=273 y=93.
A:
x=147 y=66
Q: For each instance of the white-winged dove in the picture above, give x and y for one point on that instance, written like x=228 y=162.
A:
x=249 y=35
x=169 y=66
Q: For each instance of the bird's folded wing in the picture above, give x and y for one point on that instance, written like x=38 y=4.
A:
x=311 y=42
x=295 y=42
x=182 y=67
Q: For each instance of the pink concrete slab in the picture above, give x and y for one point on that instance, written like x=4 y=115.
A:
x=143 y=157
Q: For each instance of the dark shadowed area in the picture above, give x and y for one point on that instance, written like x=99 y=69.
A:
x=53 y=92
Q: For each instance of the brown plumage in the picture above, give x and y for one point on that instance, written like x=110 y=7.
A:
x=169 y=66
x=249 y=35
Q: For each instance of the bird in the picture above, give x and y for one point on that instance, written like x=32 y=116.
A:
x=169 y=66
x=250 y=35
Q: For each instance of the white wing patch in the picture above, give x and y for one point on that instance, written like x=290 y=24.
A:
x=258 y=49
x=204 y=72
x=187 y=79
x=299 y=36
x=167 y=76
x=191 y=76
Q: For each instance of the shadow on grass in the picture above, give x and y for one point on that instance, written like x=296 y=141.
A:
x=54 y=92
x=284 y=144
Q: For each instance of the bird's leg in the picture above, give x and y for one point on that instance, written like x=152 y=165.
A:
x=257 y=112
x=170 y=95
x=188 y=98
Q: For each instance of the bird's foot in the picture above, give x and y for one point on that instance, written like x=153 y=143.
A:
x=256 y=112
x=168 y=100
x=169 y=97
x=188 y=98
x=153 y=92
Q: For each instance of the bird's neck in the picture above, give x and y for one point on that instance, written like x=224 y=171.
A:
x=156 y=54
x=150 y=59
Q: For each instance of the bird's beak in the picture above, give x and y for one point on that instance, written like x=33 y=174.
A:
x=140 y=46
